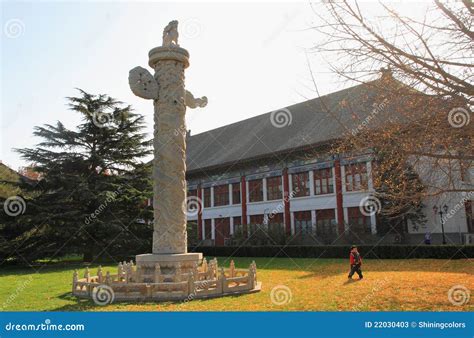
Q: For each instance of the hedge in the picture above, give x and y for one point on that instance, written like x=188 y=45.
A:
x=367 y=251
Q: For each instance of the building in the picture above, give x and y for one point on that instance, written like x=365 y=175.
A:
x=277 y=171
x=10 y=180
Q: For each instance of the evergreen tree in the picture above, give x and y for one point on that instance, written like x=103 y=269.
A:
x=400 y=191
x=92 y=198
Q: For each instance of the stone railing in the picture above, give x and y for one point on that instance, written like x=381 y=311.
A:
x=205 y=281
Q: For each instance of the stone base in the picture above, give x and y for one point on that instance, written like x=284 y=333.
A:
x=166 y=278
x=167 y=258
x=169 y=266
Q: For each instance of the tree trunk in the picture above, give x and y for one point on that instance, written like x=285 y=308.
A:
x=87 y=257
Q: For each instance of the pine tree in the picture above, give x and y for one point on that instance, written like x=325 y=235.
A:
x=92 y=198
x=400 y=192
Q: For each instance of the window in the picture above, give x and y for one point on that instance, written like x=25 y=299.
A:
x=275 y=221
x=256 y=223
x=256 y=219
x=255 y=190
x=326 y=223
x=303 y=223
x=356 y=176
x=235 y=193
x=192 y=206
x=358 y=222
x=207 y=229
x=221 y=195
x=323 y=182
x=193 y=232
x=207 y=197
x=222 y=231
x=274 y=190
x=238 y=228
x=300 y=184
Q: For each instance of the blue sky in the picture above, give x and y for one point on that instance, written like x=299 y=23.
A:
x=247 y=58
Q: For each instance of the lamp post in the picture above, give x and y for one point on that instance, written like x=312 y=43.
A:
x=441 y=210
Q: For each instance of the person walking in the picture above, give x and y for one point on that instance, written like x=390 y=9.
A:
x=356 y=262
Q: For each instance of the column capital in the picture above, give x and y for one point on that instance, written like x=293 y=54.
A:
x=173 y=53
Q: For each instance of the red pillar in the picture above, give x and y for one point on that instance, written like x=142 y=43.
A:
x=199 y=196
x=339 y=210
x=243 y=201
x=286 y=201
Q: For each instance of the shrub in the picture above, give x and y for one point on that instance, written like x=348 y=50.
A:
x=341 y=251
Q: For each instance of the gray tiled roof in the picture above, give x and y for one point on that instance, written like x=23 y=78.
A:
x=314 y=121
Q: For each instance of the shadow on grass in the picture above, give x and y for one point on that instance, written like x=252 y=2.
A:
x=314 y=267
x=351 y=281
x=80 y=304
x=50 y=268
x=330 y=269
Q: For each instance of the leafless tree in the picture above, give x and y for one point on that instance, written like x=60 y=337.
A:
x=425 y=95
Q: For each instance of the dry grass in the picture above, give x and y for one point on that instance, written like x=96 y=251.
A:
x=316 y=285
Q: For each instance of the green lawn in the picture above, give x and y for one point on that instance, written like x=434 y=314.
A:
x=315 y=285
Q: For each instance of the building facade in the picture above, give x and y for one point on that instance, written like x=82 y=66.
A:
x=276 y=172
x=319 y=199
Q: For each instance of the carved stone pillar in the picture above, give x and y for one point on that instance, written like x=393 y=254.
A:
x=169 y=164
x=170 y=99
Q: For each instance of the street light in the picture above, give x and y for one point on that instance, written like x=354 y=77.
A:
x=441 y=210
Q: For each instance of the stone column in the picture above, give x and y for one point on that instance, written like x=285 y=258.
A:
x=169 y=164
x=170 y=98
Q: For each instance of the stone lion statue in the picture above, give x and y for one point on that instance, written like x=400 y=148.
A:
x=170 y=34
